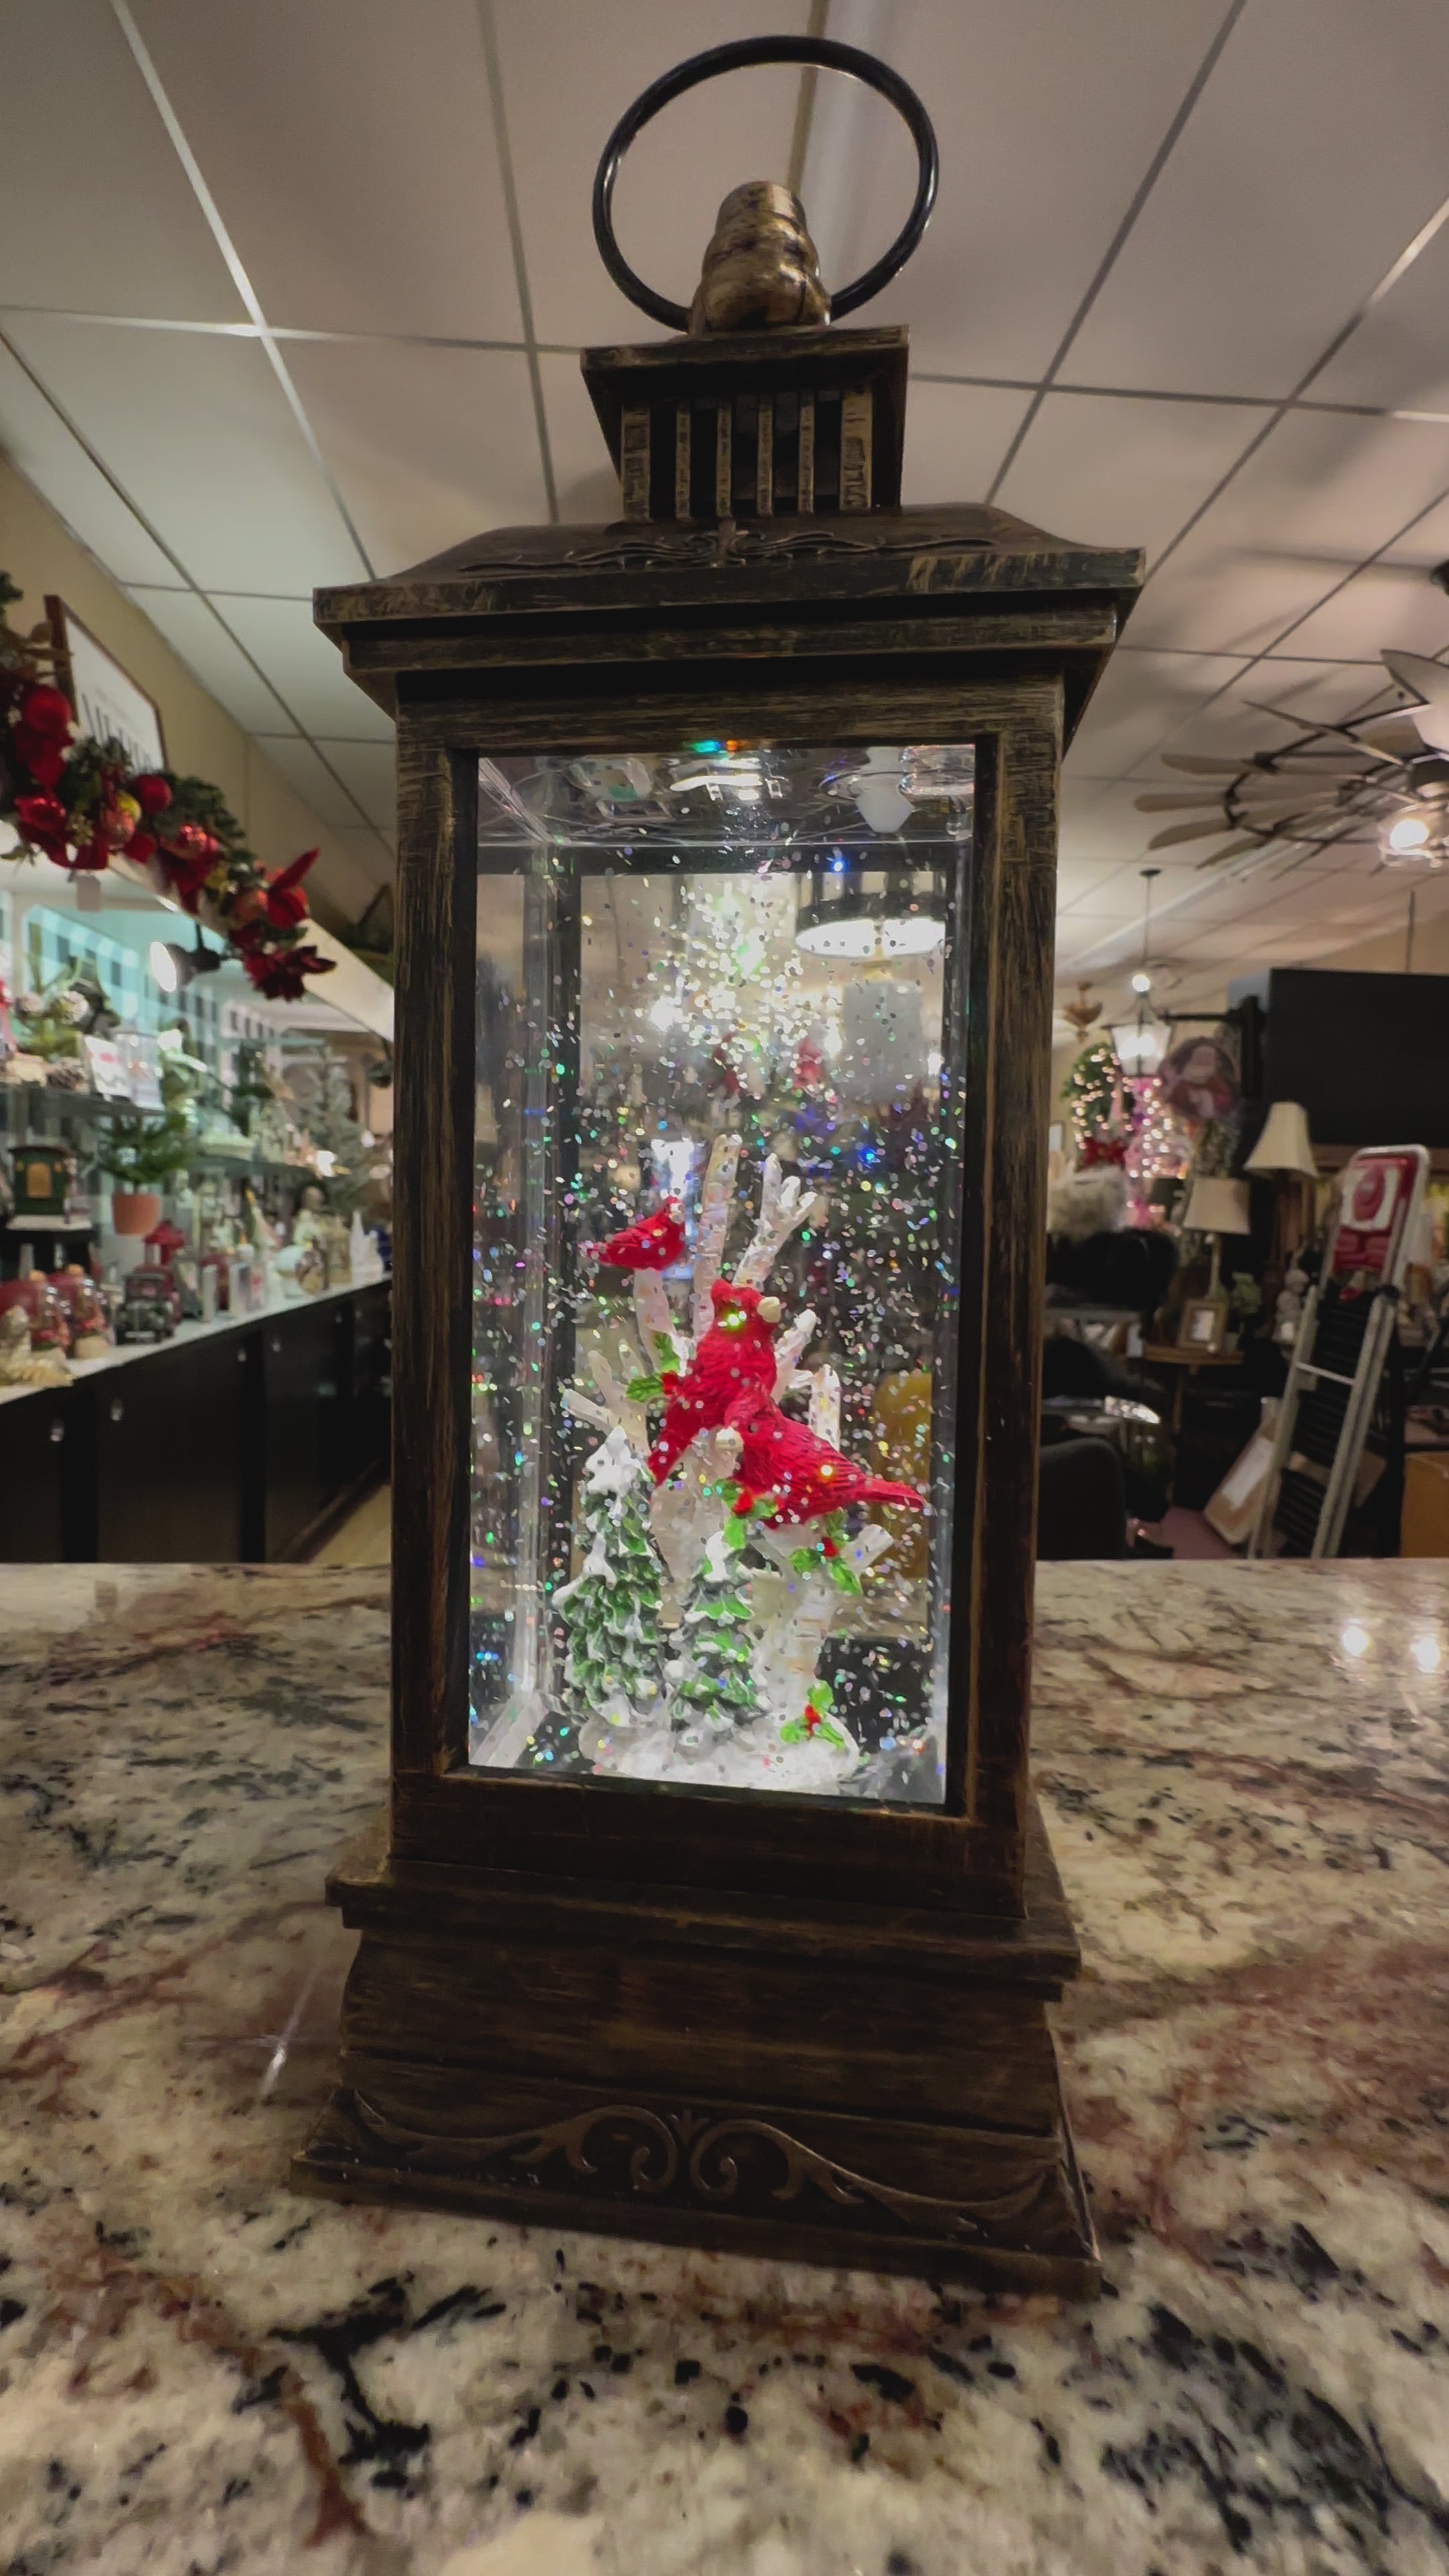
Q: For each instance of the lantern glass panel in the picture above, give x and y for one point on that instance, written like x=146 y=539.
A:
x=721 y=1002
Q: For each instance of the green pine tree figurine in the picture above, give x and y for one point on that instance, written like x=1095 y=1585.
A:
x=615 y=1660
x=714 y=1678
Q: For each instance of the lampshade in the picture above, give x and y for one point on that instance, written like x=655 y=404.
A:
x=1217 y=1207
x=1284 y=1144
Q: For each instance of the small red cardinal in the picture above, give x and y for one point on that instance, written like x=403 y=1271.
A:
x=733 y=1366
x=807 y=1476
x=654 y=1244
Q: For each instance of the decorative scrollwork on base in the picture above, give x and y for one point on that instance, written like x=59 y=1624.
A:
x=698 y=2157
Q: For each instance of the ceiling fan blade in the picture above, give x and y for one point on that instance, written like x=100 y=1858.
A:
x=1398 y=737
x=1233 y=850
x=1177 y=832
x=1169 y=800
x=1428 y=681
x=1204 y=764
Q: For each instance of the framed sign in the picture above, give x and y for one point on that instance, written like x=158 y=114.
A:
x=107 y=702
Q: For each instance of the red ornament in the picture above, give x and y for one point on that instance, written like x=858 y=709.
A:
x=1098 y=1149
x=734 y=1366
x=151 y=792
x=654 y=1244
x=807 y=1477
x=47 y=711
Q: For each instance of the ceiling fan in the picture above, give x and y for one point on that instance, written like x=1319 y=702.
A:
x=1380 y=781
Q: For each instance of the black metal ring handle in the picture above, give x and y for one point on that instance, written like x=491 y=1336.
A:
x=827 y=56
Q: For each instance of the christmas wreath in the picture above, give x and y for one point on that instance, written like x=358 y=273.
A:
x=79 y=803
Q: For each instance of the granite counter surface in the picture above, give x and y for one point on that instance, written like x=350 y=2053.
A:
x=1246 y=1774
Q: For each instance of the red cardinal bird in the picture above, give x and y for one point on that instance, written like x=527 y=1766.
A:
x=805 y=1474
x=734 y=1365
x=654 y=1244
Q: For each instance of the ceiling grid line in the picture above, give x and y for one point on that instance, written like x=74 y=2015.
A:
x=1119 y=239
x=488 y=33
x=188 y=584
x=212 y=213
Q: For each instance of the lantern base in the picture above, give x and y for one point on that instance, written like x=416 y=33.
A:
x=839 y=2085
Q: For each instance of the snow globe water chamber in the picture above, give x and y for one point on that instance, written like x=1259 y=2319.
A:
x=712 y=1902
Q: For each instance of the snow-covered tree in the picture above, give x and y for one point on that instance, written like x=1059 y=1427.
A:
x=615 y=1662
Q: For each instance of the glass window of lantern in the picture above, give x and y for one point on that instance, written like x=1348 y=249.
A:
x=720 y=1015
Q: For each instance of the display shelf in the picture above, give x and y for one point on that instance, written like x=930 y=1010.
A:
x=244 y=1438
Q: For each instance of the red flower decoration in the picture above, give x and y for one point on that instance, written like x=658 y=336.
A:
x=43 y=758
x=140 y=846
x=286 y=905
x=281 y=974
x=43 y=820
x=47 y=711
x=151 y=793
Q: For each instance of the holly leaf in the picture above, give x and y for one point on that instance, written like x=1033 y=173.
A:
x=644 y=1390
x=821 y=1696
x=736 y=1534
x=842 y=1576
x=831 y=1734
x=802 y=1558
x=664 y=1347
x=794 y=1731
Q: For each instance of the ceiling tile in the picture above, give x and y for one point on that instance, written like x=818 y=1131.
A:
x=369 y=770
x=315 y=781
x=570 y=68
x=1139 y=699
x=428 y=445
x=305 y=669
x=198 y=431
x=215 y=658
x=349 y=146
x=1109 y=471
x=1390 y=602
x=36 y=440
x=1311 y=160
x=587 y=486
x=956 y=436
x=1398 y=356
x=1049 y=113
x=1321 y=494
x=96 y=212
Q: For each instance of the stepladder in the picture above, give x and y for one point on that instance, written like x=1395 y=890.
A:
x=1348 y=1323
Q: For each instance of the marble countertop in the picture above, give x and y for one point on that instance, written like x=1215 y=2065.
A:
x=1246 y=1774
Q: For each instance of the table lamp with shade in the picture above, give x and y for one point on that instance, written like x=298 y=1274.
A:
x=1284 y=1153
x=1215 y=1207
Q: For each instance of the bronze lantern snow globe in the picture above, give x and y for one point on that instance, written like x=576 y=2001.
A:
x=712 y=1903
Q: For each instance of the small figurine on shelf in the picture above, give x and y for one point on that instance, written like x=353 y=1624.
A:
x=147 y=1309
x=20 y=1363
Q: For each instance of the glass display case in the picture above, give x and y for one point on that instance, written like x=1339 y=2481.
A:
x=712 y=1900
x=717 y=1264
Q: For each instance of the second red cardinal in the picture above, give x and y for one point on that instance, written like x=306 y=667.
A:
x=654 y=1244
x=809 y=1478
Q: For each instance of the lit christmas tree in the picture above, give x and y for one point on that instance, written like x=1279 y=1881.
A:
x=615 y=1662
x=1093 y=1094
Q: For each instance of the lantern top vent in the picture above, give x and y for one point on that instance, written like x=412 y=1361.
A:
x=760 y=409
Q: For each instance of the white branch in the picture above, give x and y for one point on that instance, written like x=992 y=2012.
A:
x=784 y=1205
x=825 y=1405
x=623 y=1416
x=586 y=1410
x=654 y=1318
x=715 y=1210
x=789 y=1347
x=809 y=1606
